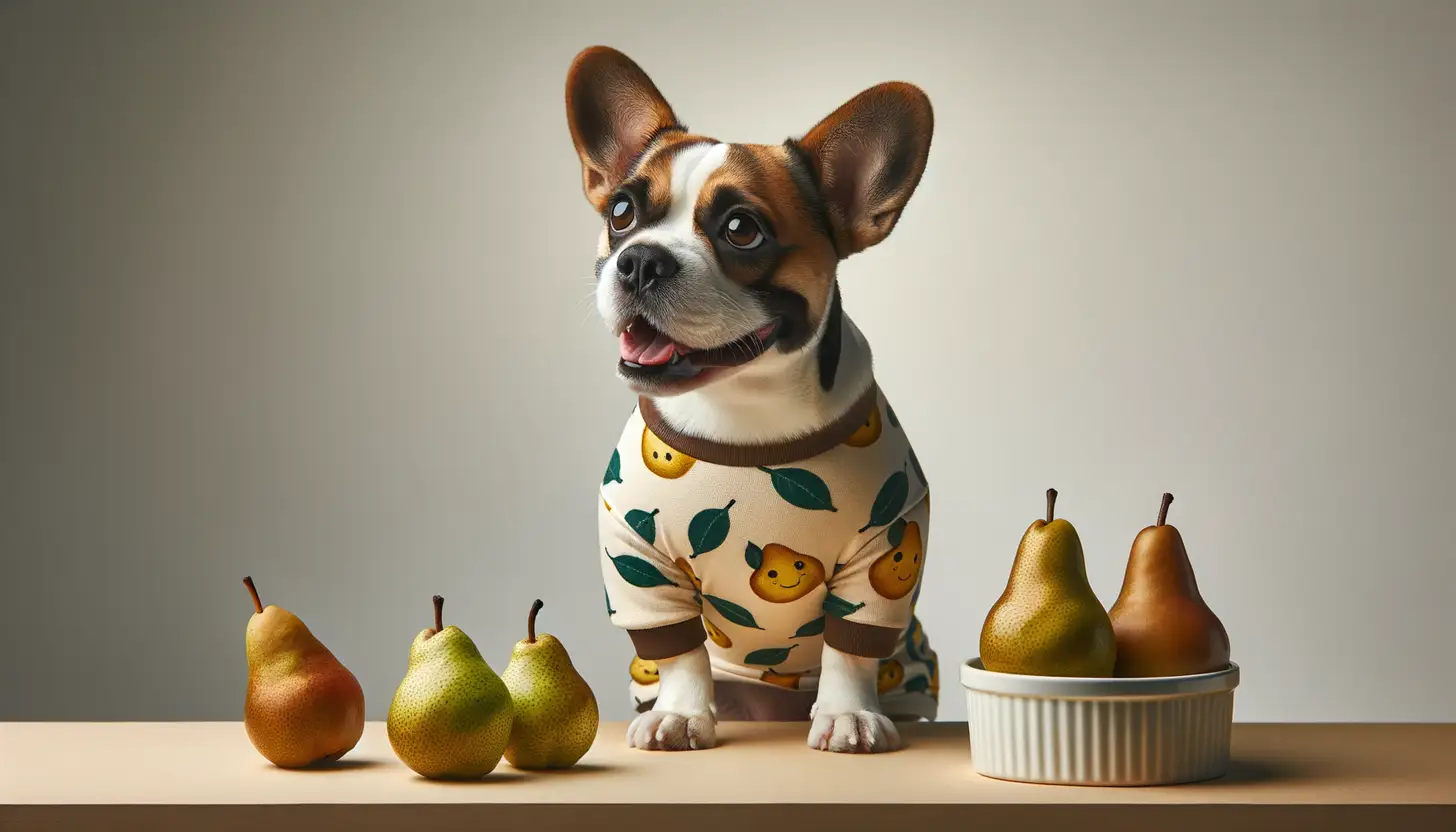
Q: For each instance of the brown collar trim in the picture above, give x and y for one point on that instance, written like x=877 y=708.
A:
x=776 y=453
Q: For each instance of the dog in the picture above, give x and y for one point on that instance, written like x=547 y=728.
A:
x=763 y=519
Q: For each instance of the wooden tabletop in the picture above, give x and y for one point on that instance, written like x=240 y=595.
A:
x=160 y=776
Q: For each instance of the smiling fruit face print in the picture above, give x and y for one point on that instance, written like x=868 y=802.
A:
x=866 y=434
x=661 y=459
x=781 y=575
x=891 y=674
x=644 y=671
x=897 y=571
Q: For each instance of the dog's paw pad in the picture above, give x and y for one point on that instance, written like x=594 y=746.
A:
x=664 y=731
x=860 y=732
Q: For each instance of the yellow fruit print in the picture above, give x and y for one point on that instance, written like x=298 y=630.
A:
x=683 y=564
x=895 y=573
x=783 y=680
x=781 y=575
x=935 y=679
x=662 y=460
x=644 y=671
x=892 y=673
x=607 y=504
x=718 y=636
x=866 y=434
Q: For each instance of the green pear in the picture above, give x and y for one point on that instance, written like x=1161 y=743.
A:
x=1048 y=621
x=556 y=712
x=303 y=707
x=451 y=716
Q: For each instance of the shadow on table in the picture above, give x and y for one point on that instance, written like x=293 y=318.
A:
x=345 y=764
x=578 y=770
x=1246 y=771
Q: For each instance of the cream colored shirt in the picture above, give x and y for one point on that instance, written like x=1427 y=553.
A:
x=773 y=554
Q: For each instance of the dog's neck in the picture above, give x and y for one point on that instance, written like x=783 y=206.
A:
x=777 y=397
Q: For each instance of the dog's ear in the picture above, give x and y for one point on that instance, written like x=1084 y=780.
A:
x=869 y=155
x=614 y=111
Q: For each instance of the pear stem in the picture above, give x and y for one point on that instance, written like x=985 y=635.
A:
x=253 y=591
x=439 y=613
x=1163 y=512
x=531 y=621
x=1051 y=503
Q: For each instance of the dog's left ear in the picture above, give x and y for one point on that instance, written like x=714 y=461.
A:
x=869 y=155
x=614 y=112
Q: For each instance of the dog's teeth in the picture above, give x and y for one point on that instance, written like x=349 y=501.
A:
x=675 y=357
x=633 y=365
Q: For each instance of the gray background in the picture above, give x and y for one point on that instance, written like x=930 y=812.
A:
x=300 y=290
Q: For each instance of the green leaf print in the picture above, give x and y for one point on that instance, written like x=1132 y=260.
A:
x=896 y=533
x=708 y=529
x=919 y=684
x=769 y=656
x=890 y=411
x=608 y=596
x=733 y=612
x=813 y=628
x=638 y=572
x=838 y=607
x=753 y=555
x=919 y=474
x=800 y=487
x=890 y=501
x=644 y=523
x=614 y=468
x=837 y=567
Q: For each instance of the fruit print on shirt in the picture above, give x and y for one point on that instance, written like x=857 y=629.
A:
x=662 y=460
x=895 y=573
x=866 y=434
x=643 y=671
x=781 y=575
x=892 y=673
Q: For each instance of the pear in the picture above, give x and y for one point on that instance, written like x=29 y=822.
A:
x=556 y=712
x=451 y=716
x=1048 y=621
x=1162 y=624
x=303 y=707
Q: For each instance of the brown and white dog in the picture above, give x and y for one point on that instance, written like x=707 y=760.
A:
x=717 y=273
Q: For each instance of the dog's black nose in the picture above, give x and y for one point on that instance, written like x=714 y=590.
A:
x=642 y=264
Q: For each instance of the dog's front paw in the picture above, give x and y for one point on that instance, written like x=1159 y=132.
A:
x=666 y=731
x=860 y=732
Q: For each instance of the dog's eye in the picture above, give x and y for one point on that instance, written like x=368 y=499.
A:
x=623 y=216
x=742 y=231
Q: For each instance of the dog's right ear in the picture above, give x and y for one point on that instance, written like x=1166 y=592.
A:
x=614 y=111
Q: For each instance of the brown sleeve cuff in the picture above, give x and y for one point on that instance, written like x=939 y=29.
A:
x=864 y=640
x=670 y=641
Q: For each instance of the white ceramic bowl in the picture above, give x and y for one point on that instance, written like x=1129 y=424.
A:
x=1099 y=732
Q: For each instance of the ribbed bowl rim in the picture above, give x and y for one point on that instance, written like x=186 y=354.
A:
x=975 y=677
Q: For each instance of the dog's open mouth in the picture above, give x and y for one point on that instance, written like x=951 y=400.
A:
x=648 y=353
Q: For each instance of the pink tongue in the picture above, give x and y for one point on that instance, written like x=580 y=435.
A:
x=647 y=346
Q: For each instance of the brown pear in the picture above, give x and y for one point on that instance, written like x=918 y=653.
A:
x=303 y=706
x=1162 y=624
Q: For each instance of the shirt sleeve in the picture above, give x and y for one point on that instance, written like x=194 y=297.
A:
x=872 y=593
x=656 y=601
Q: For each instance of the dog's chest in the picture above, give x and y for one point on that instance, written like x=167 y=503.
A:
x=763 y=544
